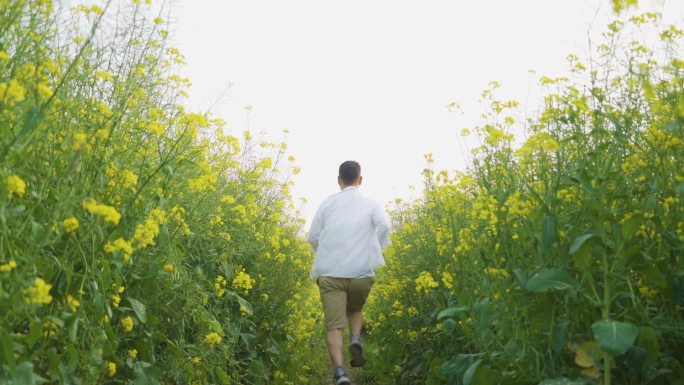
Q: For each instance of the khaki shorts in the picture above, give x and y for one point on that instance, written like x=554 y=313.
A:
x=342 y=296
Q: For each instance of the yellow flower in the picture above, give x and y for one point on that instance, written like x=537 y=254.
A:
x=212 y=338
x=145 y=233
x=243 y=281
x=4 y=56
x=494 y=272
x=220 y=285
x=447 y=279
x=44 y=91
x=12 y=92
x=7 y=267
x=425 y=282
x=111 y=368
x=73 y=303
x=70 y=224
x=80 y=141
x=49 y=328
x=121 y=245
x=116 y=299
x=127 y=324
x=15 y=186
x=168 y=268
x=39 y=292
x=196 y=360
x=104 y=75
x=132 y=353
x=107 y=212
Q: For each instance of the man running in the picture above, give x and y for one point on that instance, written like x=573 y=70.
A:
x=348 y=234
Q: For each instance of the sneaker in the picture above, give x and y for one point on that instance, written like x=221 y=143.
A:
x=356 y=352
x=340 y=377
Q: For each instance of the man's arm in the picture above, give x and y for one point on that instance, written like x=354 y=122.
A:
x=382 y=225
x=316 y=228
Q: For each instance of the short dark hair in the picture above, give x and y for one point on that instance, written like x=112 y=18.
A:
x=350 y=171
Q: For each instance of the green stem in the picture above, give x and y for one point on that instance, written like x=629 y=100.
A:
x=607 y=359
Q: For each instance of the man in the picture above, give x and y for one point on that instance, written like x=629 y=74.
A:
x=348 y=233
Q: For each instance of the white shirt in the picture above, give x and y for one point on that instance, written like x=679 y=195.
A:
x=348 y=234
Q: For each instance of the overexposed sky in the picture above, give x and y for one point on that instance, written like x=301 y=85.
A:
x=369 y=80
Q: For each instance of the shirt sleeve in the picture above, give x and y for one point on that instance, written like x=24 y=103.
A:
x=382 y=225
x=316 y=228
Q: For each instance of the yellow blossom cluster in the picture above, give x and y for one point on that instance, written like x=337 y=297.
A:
x=12 y=92
x=111 y=369
x=125 y=179
x=447 y=279
x=566 y=195
x=38 y=293
x=202 y=183
x=49 y=328
x=220 y=285
x=243 y=281
x=212 y=338
x=115 y=297
x=15 y=186
x=120 y=245
x=541 y=141
x=516 y=207
x=127 y=324
x=425 y=282
x=70 y=224
x=496 y=272
x=132 y=353
x=7 y=266
x=109 y=213
x=177 y=214
x=74 y=304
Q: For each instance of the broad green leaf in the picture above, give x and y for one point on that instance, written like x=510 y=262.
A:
x=478 y=374
x=35 y=333
x=650 y=341
x=139 y=309
x=452 y=311
x=24 y=375
x=580 y=250
x=560 y=336
x=588 y=354
x=7 y=349
x=614 y=337
x=550 y=279
x=631 y=225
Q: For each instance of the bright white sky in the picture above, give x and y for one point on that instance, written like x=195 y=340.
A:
x=369 y=80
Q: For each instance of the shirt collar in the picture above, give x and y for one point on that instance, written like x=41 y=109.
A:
x=350 y=188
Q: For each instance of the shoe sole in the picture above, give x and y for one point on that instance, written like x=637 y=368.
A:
x=343 y=381
x=357 y=360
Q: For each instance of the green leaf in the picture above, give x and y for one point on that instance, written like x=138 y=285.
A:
x=24 y=375
x=549 y=233
x=35 y=333
x=37 y=230
x=478 y=374
x=631 y=225
x=7 y=349
x=452 y=311
x=614 y=337
x=580 y=249
x=550 y=279
x=139 y=309
x=73 y=330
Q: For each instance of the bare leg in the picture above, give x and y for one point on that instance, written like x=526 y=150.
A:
x=334 y=341
x=355 y=322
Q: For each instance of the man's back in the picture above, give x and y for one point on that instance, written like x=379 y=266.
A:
x=348 y=233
